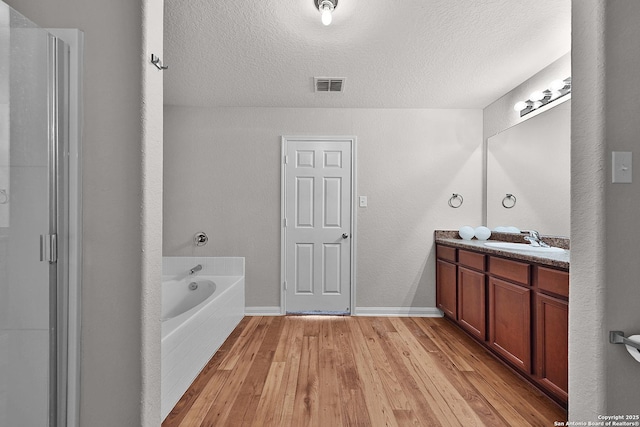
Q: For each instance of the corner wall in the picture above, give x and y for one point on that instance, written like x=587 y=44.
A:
x=587 y=338
x=151 y=212
x=222 y=176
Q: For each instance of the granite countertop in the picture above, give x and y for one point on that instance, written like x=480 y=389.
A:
x=553 y=259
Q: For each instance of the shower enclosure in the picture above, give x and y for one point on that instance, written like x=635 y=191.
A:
x=34 y=224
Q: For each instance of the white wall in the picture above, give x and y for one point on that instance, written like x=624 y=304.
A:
x=118 y=361
x=604 y=282
x=222 y=176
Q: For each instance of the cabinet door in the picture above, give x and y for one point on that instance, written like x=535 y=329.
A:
x=471 y=302
x=446 y=293
x=510 y=322
x=552 y=338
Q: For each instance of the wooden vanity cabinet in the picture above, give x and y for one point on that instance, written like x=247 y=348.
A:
x=446 y=281
x=552 y=330
x=517 y=309
x=472 y=313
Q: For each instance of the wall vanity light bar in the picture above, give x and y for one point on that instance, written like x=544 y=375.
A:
x=557 y=89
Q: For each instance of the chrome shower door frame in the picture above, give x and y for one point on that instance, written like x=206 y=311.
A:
x=57 y=255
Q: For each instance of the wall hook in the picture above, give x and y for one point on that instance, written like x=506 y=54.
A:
x=158 y=63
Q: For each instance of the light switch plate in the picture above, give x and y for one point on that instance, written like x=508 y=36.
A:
x=362 y=201
x=622 y=167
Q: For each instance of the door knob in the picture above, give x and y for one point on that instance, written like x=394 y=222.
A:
x=345 y=236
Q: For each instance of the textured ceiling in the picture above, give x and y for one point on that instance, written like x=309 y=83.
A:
x=393 y=53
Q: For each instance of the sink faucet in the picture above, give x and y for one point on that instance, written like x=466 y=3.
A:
x=534 y=239
x=195 y=269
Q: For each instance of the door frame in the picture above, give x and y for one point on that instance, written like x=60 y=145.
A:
x=283 y=203
x=73 y=237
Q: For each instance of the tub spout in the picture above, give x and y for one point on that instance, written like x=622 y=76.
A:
x=195 y=269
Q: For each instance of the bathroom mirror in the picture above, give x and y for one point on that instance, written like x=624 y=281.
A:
x=531 y=162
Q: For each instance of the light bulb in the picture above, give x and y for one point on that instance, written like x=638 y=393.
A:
x=326 y=9
x=556 y=84
x=555 y=94
x=520 y=106
x=537 y=104
x=536 y=96
x=326 y=15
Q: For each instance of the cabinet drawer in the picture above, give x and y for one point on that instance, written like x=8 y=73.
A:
x=471 y=260
x=446 y=253
x=511 y=270
x=554 y=281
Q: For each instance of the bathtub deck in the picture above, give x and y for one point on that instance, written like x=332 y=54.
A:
x=338 y=371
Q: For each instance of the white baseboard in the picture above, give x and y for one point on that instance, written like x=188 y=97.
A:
x=359 y=311
x=398 y=311
x=263 y=311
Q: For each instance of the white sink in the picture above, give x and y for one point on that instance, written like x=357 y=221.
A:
x=522 y=247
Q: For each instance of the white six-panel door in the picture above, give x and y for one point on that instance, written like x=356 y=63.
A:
x=317 y=185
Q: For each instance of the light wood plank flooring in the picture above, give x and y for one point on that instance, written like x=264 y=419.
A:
x=357 y=371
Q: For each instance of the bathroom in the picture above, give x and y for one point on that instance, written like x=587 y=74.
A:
x=115 y=307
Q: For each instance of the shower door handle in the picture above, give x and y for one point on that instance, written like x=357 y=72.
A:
x=49 y=248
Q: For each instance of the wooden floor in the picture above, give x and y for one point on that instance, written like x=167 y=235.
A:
x=357 y=371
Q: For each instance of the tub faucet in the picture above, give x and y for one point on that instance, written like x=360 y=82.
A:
x=195 y=269
x=534 y=239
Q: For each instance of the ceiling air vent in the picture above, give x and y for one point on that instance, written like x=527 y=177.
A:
x=325 y=84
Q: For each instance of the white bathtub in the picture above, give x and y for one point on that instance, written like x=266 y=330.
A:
x=195 y=323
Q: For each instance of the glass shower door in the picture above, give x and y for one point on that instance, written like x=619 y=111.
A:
x=29 y=173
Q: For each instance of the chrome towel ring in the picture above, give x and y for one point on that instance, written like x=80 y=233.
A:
x=509 y=201
x=456 y=200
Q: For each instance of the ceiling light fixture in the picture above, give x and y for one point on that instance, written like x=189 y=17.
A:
x=557 y=89
x=326 y=7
